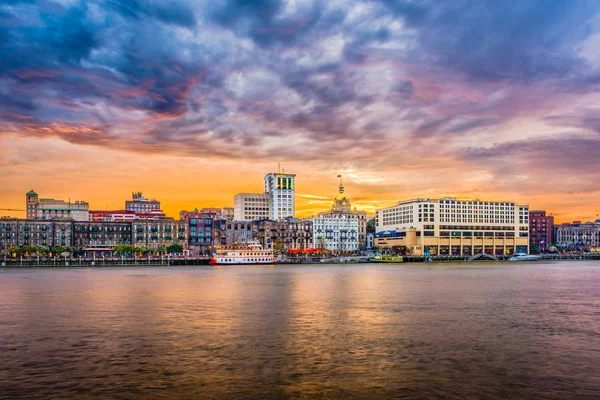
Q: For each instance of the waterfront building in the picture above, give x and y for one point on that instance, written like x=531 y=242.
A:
x=251 y=206
x=200 y=230
x=34 y=232
x=281 y=189
x=232 y=232
x=291 y=233
x=541 y=227
x=336 y=232
x=101 y=236
x=141 y=204
x=342 y=206
x=577 y=236
x=451 y=226
x=155 y=233
x=45 y=208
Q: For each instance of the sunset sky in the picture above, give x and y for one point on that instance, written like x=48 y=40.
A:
x=192 y=102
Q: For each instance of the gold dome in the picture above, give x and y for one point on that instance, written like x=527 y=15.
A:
x=341 y=201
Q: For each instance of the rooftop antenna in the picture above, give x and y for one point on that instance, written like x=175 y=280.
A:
x=278 y=167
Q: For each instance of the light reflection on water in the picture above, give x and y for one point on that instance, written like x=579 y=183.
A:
x=362 y=331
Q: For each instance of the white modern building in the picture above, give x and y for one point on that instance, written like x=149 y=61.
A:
x=251 y=206
x=454 y=226
x=281 y=188
x=278 y=201
x=336 y=232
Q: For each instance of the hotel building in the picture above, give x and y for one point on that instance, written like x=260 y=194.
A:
x=37 y=208
x=450 y=226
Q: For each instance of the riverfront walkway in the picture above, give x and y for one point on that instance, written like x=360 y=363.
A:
x=170 y=261
x=102 y=262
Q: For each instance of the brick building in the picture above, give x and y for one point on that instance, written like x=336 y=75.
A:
x=541 y=227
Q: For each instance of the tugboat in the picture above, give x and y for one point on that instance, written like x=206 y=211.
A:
x=249 y=253
x=386 y=259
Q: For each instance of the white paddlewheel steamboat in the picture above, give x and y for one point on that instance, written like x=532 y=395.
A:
x=249 y=253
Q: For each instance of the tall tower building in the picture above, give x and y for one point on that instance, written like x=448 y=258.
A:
x=281 y=188
x=31 y=201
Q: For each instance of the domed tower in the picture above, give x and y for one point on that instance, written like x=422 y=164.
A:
x=31 y=201
x=341 y=201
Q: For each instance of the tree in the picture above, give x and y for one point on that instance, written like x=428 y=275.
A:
x=123 y=249
x=371 y=225
x=535 y=249
x=278 y=246
x=57 y=250
x=174 y=248
x=161 y=249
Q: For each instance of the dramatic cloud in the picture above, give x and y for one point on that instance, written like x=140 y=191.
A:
x=397 y=89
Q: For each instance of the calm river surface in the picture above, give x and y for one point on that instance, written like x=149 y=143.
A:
x=422 y=331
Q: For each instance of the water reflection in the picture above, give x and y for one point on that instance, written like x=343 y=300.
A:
x=420 y=331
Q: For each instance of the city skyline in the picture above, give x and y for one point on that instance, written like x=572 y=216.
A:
x=194 y=103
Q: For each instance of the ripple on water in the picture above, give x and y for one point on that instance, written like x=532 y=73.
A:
x=362 y=331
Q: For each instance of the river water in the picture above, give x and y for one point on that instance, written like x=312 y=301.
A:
x=420 y=331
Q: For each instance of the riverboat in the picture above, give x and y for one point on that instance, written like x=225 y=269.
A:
x=386 y=259
x=249 y=253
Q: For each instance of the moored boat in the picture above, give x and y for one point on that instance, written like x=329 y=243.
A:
x=524 y=257
x=249 y=253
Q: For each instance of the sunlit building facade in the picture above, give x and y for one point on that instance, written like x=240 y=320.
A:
x=451 y=226
x=251 y=206
x=336 y=232
x=50 y=209
x=282 y=189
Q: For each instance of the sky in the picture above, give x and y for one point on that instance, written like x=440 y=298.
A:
x=192 y=102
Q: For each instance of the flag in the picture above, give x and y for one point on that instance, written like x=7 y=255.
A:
x=339 y=176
